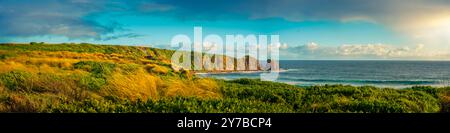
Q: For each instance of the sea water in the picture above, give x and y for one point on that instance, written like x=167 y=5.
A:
x=393 y=74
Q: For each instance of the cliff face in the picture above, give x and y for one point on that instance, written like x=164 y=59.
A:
x=231 y=64
x=250 y=64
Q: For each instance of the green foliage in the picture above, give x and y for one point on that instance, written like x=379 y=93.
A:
x=99 y=73
x=7 y=54
x=427 y=89
x=160 y=54
x=171 y=105
x=92 y=83
x=251 y=96
x=98 y=69
x=129 y=68
x=335 y=98
x=15 y=80
x=81 y=91
x=23 y=103
x=339 y=98
x=444 y=97
x=37 y=43
x=131 y=52
x=261 y=90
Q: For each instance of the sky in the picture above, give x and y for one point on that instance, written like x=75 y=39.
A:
x=308 y=29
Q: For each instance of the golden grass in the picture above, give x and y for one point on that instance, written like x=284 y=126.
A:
x=3 y=107
x=343 y=100
x=11 y=65
x=153 y=68
x=201 y=88
x=36 y=57
x=51 y=61
x=445 y=101
x=20 y=102
x=133 y=86
x=67 y=55
x=53 y=75
x=2 y=88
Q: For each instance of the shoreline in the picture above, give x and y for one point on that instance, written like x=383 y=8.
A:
x=241 y=71
x=226 y=72
x=304 y=84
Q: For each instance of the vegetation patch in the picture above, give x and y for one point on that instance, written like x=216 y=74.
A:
x=84 y=78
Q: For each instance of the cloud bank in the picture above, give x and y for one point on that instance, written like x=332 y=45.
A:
x=362 y=51
x=28 y=18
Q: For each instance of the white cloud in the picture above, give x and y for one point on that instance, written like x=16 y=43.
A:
x=284 y=46
x=312 y=46
x=369 y=49
x=363 y=51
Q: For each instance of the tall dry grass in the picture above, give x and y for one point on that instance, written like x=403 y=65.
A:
x=445 y=100
x=12 y=65
x=31 y=81
x=138 y=85
x=201 y=88
x=153 y=68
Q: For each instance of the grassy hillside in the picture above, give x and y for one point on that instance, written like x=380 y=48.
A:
x=40 y=77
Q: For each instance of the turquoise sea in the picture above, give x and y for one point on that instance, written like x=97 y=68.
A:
x=394 y=74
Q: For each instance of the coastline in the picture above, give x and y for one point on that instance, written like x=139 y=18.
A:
x=100 y=82
x=243 y=71
x=226 y=72
x=236 y=75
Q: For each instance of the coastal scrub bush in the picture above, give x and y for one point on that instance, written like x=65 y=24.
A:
x=91 y=82
x=261 y=90
x=98 y=69
x=340 y=98
x=6 y=55
x=444 y=98
x=16 y=80
x=171 y=105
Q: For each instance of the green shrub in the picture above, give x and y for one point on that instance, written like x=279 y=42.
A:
x=2 y=57
x=444 y=98
x=261 y=90
x=16 y=80
x=37 y=43
x=98 y=69
x=7 y=55
x=428 y=89
x=339 y=98
x=171 y=105
x=129 y=68
x=92 y=83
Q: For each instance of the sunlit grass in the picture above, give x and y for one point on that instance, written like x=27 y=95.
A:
x=133 y=86
x=102 y=78
x=201 y=88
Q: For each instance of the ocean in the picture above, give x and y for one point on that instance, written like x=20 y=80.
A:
x=392 y=74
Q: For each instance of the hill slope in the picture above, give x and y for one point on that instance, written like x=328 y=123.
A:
x=101 y=78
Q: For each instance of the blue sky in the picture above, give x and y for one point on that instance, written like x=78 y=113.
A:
x=319 y=29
